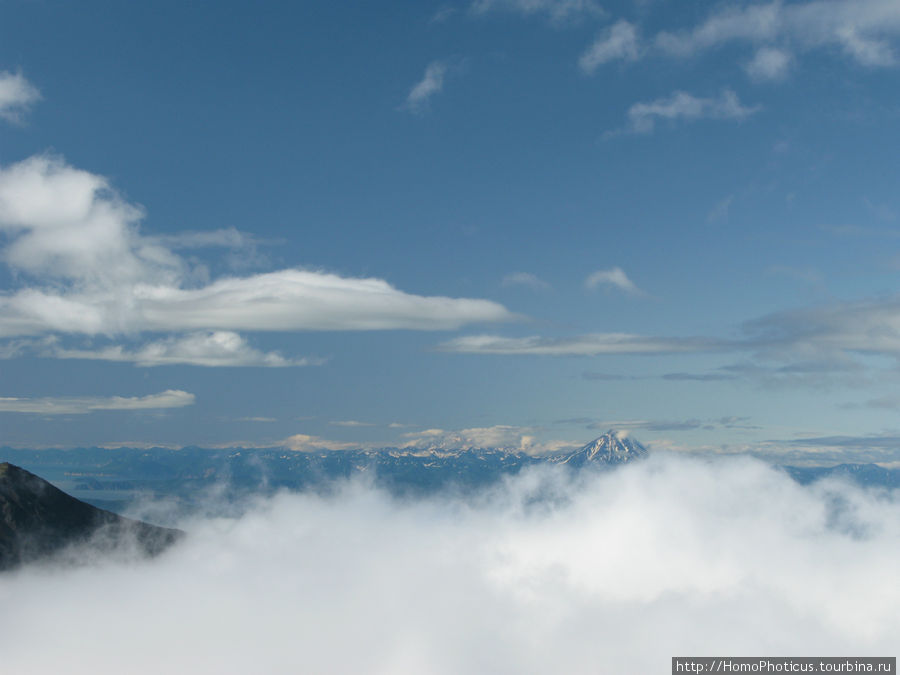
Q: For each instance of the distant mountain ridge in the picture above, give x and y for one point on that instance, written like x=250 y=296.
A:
x=108 y=477
x=38 y=520
x=111 y=478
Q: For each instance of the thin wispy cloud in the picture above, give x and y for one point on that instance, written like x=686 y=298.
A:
x=693 y=424
x=769 y=64
x=557 y=11
x=229 y=237
x=862 y=29
x=431 y=84
x=16 y=96
x=868 y=327
x=351 y=423
x=682 y=106
x=210 y=349
x=526 y=279
x=81 y=405
x=617 y=42
x=865 y=31
x=613 y=278
x=698 y=377
x=804 y=274
x=720 y=210
x=807 y=346
x=443 y=14
x=583 y=345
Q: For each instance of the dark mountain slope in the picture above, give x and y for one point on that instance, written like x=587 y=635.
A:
x=38 y=520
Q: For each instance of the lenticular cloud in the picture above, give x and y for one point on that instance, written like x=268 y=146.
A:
x=614 y=572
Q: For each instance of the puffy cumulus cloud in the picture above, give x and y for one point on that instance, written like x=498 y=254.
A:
x=211 y=349
x=617 y=42
x=80 y=405
x=642 y=117
x=581 y=345
x=65 y=224
x=85 y=268
x=431 y=84
x=16 y=95
x=610 y=573
x=558 y=11
x=612 y=278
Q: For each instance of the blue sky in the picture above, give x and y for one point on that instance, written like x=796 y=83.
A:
x=513 y=222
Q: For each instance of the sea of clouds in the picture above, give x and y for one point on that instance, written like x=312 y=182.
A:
x=604 y=573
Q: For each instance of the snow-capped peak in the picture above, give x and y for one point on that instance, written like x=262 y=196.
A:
x=613 y=447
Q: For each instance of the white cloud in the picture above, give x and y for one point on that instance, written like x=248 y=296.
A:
x=432 y=83
x=612 y=278
x=443 y=14
x=16 y=95
x=498 y=436
x=582 y=345
x=543 y=575
x=769 y=63
x=525 y=279
x=829 y=332
x=516 y=438
x=306 y=300
x=307 y=443
x=66 y=224
x=286 y=300
x=85 y=268
x=720 y=210
x=227 y=237
x=351 y=423
x=860 y=28
x=866 y=31
x=681 y=105
x=80 y=405
x=617 y=42
x=212 y=349
x=558 y=11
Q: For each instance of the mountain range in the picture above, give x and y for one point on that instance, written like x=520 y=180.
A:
x=114 y=478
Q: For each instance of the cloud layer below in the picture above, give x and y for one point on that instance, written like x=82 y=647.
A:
x=612 y=573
